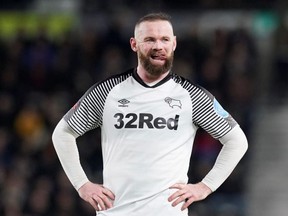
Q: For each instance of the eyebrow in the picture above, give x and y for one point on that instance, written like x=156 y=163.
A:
x=151 y=37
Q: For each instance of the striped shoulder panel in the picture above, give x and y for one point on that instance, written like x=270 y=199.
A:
x=87 y=113
x=204 y=112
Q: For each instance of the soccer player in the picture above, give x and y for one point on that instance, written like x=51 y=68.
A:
x=148 y=118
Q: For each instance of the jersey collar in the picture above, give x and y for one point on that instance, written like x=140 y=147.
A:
x=139 y=80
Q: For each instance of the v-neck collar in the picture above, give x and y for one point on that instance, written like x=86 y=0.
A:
x=139 y=80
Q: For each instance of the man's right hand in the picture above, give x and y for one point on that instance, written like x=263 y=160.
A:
x=97 y=195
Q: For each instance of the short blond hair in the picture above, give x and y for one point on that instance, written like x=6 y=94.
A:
x=154 y=17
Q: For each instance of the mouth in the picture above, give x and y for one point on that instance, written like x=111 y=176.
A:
x=158 y=57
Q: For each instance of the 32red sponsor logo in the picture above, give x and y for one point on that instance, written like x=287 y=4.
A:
x=145 y=120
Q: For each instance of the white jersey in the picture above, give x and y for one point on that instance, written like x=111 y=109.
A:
x=147 y=137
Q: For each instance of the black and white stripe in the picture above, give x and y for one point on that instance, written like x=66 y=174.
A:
x=203 y=113
x=87 y=114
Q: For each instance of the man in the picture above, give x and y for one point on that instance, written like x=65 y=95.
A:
x=148 y=118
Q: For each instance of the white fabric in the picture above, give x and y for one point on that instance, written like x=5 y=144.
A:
x=234 y=147
x=147 y=138
x=64 y=140
x=150 y=206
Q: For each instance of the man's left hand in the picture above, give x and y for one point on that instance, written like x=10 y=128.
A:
x=188 y=193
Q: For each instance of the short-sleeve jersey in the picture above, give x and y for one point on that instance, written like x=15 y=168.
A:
x=147 y=134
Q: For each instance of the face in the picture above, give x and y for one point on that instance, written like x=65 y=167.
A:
x=154 y=43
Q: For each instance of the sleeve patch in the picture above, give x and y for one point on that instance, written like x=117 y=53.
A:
x=219 y=109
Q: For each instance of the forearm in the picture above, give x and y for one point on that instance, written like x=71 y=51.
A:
x=234 y=147
x=64 y=141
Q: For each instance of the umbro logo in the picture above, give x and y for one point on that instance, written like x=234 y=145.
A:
x=123 y=102
x=173 y=102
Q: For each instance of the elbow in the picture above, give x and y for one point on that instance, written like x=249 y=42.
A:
x=53 y=137
x=244 y=142
x=244 y=149
x=57 y=132
x=62 y=133
x=245 y=145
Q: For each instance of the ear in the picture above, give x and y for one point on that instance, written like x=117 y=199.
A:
x=133 y=44
x=174 y=43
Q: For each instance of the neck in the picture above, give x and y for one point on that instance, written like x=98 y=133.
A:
x=148 y=78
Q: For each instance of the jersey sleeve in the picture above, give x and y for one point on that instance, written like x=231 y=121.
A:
x=210 y=115
x=86 y=114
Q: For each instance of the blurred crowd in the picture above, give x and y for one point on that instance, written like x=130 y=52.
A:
x=41 y=78
x=91 y=5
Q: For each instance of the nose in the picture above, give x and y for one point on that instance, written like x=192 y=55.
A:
x=158 y=45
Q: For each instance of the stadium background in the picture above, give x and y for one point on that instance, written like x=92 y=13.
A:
x=52 y=51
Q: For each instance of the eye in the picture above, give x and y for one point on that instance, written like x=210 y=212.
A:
x=149 y=40
x=165 y=39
